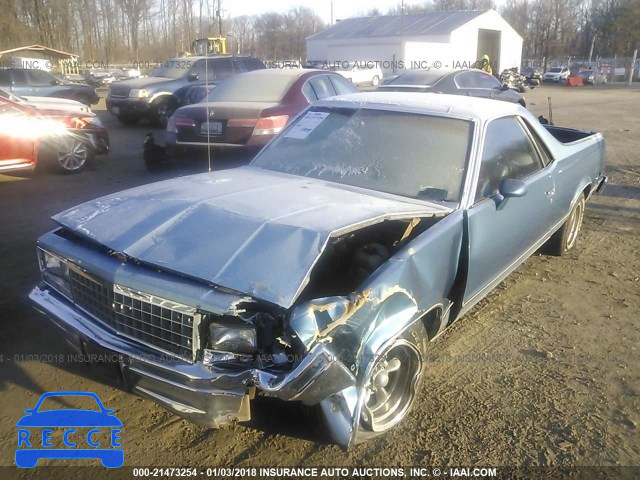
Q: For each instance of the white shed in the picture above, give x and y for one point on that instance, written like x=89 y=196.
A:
x=454 y=39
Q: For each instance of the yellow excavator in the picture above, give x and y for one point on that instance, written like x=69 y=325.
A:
x=209 y=46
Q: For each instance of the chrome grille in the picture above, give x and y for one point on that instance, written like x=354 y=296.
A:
x=119 y=90
x=155 y=321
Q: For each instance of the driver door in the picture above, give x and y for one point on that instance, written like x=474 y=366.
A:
x=503 y=232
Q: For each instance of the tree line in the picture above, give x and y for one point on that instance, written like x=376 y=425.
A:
x=123 y=31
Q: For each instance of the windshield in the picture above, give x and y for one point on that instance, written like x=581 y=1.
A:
x=172 y=69
x=407 y=154
x=59 y=78
x=249 y=87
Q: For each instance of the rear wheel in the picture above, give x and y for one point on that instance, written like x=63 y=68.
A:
x=566 y=238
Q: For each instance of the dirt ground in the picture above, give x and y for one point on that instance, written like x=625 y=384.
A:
x=545 y=371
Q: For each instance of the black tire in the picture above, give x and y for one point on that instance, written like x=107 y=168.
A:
x=398 y=372
x=162 y=110
x=566 y=238
x=127 y=120
x=152 y=163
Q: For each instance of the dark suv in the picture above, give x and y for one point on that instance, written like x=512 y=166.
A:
x=157 y=96
x=38 y=83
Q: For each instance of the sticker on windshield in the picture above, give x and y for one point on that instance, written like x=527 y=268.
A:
x=306 y=125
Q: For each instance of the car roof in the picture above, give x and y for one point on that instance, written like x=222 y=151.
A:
x=426 y=77
x=210 y=57
x=461 y=106
x=287 y=72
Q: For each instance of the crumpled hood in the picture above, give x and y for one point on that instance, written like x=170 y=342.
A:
x=247 y=229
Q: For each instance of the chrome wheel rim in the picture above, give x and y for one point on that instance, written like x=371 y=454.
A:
x=575 y=222
x=74 y=158
x=391 y=388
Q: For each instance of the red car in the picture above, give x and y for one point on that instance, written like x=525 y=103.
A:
x=249 y=109
x=30 y=136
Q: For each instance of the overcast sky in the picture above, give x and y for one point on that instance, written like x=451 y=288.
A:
x=341 y=8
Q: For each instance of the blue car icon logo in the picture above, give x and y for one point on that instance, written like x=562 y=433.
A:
x=83 y=433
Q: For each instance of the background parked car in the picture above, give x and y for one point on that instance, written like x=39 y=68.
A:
x=99 y=77
x=474 y=83
x=592 y=77
x=361 y=73
x=193 y=93
x=38 y=83
x=249 y=109
x=533 y=74
x=47 y=103
x=154 y=97
x=65 y=139
x=556 y=74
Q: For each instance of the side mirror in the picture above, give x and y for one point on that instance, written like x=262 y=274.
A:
x=192 y=77
x=509 y=188
x=512 y=188
x=505 y=86
x=55 y=82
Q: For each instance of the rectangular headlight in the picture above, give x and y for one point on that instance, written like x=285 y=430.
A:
x=235 y=338
x=138 y=93
x=55 y=271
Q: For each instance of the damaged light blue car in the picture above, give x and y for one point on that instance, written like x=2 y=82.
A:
x=320 y=272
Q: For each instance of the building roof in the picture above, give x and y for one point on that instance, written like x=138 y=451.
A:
x=39 y=48
x=434 y=23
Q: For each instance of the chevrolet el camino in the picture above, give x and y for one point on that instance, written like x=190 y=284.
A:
x=320 y=272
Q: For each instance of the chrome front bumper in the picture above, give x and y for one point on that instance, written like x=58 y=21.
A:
x=203 y=394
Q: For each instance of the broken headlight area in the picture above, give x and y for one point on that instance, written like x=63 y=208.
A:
x=248 y=340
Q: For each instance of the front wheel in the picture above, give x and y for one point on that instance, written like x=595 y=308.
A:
x=394 y=381
x=162 y=111
x=566 y=238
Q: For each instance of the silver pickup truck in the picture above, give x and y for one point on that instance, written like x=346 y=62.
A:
x=320 y=272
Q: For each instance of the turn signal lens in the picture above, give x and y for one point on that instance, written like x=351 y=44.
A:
x=270 y=125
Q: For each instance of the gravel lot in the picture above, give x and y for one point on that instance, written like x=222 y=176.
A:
x=545 y=371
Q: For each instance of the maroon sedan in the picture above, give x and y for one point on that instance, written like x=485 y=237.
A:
x=247 y=110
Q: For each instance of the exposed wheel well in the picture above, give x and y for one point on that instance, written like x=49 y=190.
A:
x=432 y=321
